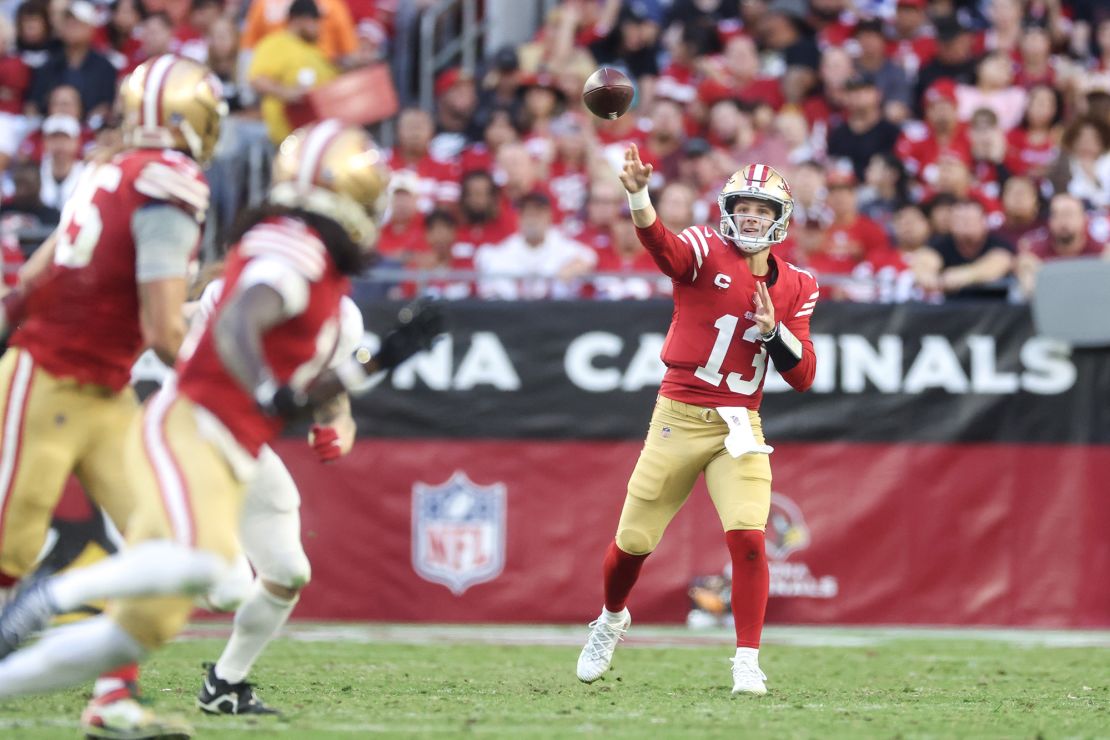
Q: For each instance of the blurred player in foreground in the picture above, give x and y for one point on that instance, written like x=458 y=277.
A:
x=261 y=360
x=111 y=280
x=269 y=532
x=735 y=306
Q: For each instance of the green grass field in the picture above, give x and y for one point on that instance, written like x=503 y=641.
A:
x=519 y=682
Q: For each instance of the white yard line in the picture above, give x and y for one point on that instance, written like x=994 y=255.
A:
x=657 y=636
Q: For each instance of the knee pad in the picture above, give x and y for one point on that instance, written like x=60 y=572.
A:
x=291 y=571
x=635 y=541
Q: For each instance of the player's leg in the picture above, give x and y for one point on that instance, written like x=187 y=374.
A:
x=41 y=433
x=104 y=479
x=270 y=533
x=741 y=491
x=185 y=532
x=675 y=451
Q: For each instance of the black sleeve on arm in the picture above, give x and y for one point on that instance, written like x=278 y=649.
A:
x=784 y=348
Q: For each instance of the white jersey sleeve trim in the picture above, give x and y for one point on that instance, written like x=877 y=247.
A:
x=163 y=182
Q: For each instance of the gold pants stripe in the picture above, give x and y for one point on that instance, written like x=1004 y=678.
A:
x=684 y=442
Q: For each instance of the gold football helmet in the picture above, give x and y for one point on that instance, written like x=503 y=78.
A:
x=333 y=170
x=170 y=102
x=764 y=183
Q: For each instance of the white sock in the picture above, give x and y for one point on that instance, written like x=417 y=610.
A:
x=256 y=622
x=68 y=656
x=154 y=568
x=752 y=653
x=608 y=616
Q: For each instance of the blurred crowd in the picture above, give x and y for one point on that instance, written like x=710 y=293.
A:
x=935 y=148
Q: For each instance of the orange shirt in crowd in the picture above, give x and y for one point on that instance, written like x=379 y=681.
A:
x=337 y=29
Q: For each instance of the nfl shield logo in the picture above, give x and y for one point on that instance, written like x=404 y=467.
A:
x=458 y=532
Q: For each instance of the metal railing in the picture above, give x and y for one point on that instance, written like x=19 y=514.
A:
x=462 y=45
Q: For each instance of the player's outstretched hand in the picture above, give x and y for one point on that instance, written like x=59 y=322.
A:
x=764 y=310
x=418 y=325
x=636 y=175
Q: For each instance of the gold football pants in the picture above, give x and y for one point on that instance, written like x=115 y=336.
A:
x=684 y=441
x=52 y=427
x=185 y=492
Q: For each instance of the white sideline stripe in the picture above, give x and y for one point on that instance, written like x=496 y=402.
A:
x=655 y=636
x=170 y=484
x=13 y=421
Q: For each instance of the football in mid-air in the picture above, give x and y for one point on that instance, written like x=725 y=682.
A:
x=608 y=93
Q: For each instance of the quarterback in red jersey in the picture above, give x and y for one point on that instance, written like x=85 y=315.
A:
x=735 y=306
x=193 y=453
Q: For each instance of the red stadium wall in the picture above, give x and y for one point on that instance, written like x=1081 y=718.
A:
x=973 y=534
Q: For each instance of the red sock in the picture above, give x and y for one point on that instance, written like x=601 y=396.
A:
x=750 y=581
x=621 y=571
x=117 y=683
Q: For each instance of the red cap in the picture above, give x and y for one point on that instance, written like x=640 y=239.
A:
x=912 y=4
x=448 y=78
x=840 y=174
x=942 y=89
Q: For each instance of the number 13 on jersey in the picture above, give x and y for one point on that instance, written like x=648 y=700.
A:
x=710 y=372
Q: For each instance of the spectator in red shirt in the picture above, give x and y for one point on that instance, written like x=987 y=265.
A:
x=118 y=38
x=569 y=177
x=628 y=255
x=456 y=102
x=851 y=239
x=15 y=78
x=437 y=259
x=913 y=44
x=1036 y=58
x=922 y=143
x=486 y=217
x=64 y=100
x=735 y=75
x=402 y=234
x=1067 y=236
x=191 y=38
x=499 y=130
x=439 y=181
x=676 y=206
x=155 y=39
x=1034 y=144
x=1021 y=211
x=603 y=212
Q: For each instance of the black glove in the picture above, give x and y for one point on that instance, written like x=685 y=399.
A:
x=418 y=324
x=285 y=402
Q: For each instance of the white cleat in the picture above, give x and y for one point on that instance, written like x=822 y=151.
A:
x=746 y=676
x=597 y=654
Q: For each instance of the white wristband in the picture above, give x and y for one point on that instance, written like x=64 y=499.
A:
x=639 y=200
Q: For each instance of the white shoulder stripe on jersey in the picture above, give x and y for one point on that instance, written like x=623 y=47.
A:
x=311 y=248
x=698 y=240
x=161 y=181
x=809 y=304
x=304 y=263
x=815 y=294
x=806 y=312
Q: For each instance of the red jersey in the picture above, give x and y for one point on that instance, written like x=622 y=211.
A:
x=844 y=246
x=15 y=78
x=83 y=322
x=296 y=349
x=1026 y=156
x=919 y=150
x=713 y=352
x=470 y=237
x=439 y=181
x=619 y=288
x=395 y=239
